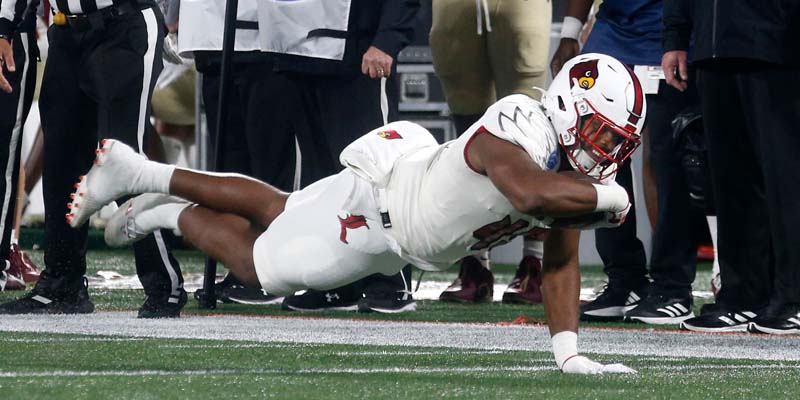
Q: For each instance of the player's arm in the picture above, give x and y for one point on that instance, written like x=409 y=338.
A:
x=534 y=191
x=561 y=289
x=568 y=47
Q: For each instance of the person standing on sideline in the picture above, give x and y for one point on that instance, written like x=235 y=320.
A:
x=19 y=55
x=747 y=59
x=504 y=53
x=339 y=57
x=103 y=60
x=631 y=32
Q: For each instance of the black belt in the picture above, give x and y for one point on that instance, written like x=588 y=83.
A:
x=98 y=19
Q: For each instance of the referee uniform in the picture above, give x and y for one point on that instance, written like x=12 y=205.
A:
x=103 y=61
x=14 y=109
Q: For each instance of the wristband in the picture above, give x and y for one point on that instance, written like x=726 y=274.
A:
x=611 y=197
x=571 y=28
x=565 y=346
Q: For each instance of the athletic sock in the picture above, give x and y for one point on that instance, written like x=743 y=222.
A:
x=164 y=216
x=532 y=247
x=154 y=177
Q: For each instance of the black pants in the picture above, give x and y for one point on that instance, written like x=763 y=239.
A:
x=750 y=113
x=98 y=84
x=624 y=259
x=333 y=112
x=260 y=138
x=14 y=109
x=673 y=261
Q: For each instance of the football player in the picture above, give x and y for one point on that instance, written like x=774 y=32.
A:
x=400 y=199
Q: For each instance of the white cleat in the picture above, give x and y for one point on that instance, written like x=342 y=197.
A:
x=122 y=228
x=116 y=166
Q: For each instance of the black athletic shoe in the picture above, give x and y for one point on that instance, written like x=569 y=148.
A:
x=245 y=295
x=612 y=303
x=316 y=300
x=219 y=289
x=388 y=303
x=42 y=300
x=163 y=306
x=720 y=320
x=658 y=309
x=785 y=321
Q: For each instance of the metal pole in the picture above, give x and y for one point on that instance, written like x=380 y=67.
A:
x=209 y=299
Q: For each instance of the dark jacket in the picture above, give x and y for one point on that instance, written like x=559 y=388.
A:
x=385 y=24
x=763 y=30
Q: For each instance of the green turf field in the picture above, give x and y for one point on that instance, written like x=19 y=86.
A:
x=69 y=366
x=128 y=365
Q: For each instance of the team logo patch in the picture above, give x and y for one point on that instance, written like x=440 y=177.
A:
x=389 y=135
x=584 y=73
x=351 y=222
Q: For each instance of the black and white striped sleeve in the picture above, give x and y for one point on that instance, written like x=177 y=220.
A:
x=10 y=14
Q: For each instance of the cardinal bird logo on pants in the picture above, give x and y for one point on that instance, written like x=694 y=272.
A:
x=389 y=135
x=351 y=222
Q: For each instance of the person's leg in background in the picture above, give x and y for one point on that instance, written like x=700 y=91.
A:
x=674 y=252
x=14 y=109
x=69 y=123
x=331 y=125
x=123 y=90
x=745 y=255
x=624 y=262
x=518 y=47
x=772 y=107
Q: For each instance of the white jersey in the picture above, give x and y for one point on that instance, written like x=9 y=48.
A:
x=442 y=210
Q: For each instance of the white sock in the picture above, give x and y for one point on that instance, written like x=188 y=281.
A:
x=154 y=177
x=565 y=346
x=532 y=247
x=164 y=216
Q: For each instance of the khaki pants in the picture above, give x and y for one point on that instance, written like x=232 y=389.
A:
x=476 y=69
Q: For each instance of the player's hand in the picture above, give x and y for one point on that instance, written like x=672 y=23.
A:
x=582 y=365
x=676 y=71
x=376 y=64
x=170 y=51
x=567 y=48
x=6 y=62
x=611 y=219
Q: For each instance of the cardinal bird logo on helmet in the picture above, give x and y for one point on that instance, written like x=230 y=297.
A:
x=585 y=73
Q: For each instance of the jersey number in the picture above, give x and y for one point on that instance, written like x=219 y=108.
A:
x=497 y=233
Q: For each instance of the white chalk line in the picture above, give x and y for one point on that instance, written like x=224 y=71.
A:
x=363 y=371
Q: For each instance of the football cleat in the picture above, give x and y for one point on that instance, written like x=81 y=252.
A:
x=390 y=302
x=612 y=303
x=526 y=285
x=658 y=309
x=21 y=265
x=720 y=320
x=319 y=300
x=244 y=295
x=122 y=229
x=475 y=283
x=163 y=306
x=9 y=280
x=115 y=167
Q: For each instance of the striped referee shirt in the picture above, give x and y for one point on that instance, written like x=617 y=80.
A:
x=11 y=10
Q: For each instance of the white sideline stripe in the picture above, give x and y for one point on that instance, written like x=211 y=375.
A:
x=362 y=371
x=312 y=371
x=15 y=134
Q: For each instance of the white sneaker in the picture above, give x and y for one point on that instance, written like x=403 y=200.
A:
x=115 y=167
x=122 y=228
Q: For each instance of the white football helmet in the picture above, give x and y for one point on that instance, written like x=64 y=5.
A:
x=597 y=108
